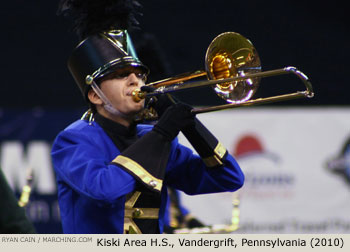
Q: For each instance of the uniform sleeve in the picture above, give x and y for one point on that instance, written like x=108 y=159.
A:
x=187 y=172
x=212 y=152
x=83 y=163
x=146 y=160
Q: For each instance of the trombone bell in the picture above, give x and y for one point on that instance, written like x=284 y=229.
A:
x=232 y=55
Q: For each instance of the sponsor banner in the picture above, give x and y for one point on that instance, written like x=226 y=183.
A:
x=290 y=186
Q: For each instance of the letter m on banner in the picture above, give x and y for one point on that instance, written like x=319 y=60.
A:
x=16 y=160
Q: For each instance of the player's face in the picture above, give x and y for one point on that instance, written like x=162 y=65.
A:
x=118 y=88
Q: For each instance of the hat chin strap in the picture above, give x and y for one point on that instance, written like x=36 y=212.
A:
x=107 y=104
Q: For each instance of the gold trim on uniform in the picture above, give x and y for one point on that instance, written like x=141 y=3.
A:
x=142 y=213
x=132 y=200
x=130 y=227
x=131 y=213
x=215 y=160
x=139 y=171
x=220 y=150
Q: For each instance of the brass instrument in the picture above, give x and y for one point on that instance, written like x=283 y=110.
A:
x=27 y=189
x=233 y=69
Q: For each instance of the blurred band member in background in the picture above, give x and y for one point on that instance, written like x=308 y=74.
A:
x=13 y=219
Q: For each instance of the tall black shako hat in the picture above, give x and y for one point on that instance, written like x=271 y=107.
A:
x=105 y=45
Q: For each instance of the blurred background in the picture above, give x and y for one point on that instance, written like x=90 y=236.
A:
x=39 y=96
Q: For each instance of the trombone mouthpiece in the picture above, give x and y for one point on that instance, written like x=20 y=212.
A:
x=138 y=95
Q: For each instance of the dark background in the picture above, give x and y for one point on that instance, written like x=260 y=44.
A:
x=312 y=36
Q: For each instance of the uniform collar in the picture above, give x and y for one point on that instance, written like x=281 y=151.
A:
x=114 y=127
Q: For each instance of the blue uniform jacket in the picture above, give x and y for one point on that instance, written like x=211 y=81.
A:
x=92 y=190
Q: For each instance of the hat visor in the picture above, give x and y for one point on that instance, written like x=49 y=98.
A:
x=123 y=63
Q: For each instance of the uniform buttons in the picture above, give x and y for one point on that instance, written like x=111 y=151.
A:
x=137 y=213
x=153 y=183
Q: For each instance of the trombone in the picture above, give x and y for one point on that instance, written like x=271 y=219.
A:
x=233 y=69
